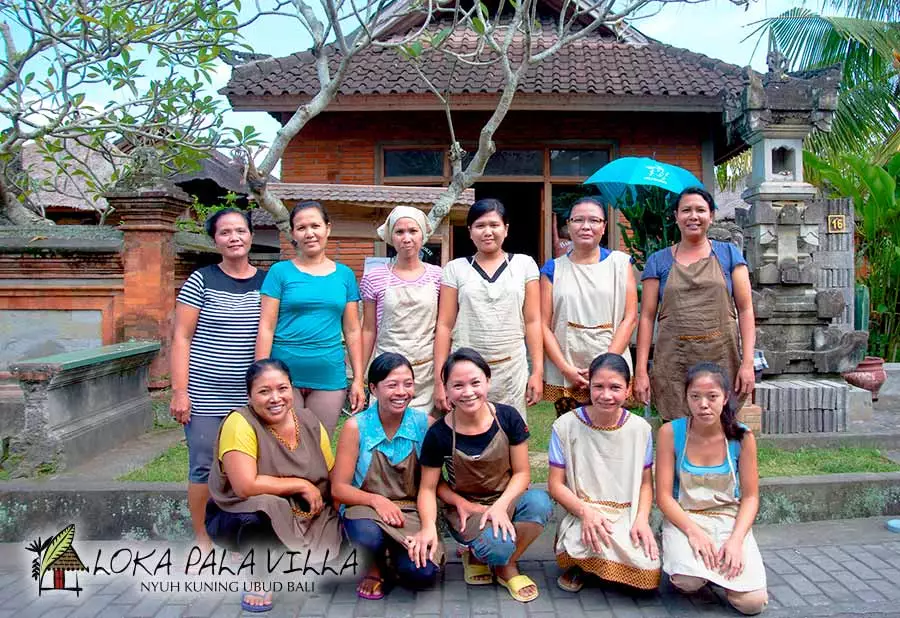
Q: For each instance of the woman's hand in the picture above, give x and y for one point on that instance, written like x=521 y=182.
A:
x=312 y=495
x=642 y=536
x=745 y=380
x=440 y=396
x=642 y=387
x=357 y=396
x=422 y=545
x=466 y=509
x=596 y=530
x=534 y=392
x=703 y=548
x=575 y=376
x=389 y=512
x=180 y=406
x=500 y=522
x=731 y=558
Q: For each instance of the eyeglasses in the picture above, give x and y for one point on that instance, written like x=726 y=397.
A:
x=592 y=221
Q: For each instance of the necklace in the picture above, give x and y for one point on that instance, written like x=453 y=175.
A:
x=296 y=434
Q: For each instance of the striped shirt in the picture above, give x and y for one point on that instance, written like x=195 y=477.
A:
x=377 y=280
x=225 y=338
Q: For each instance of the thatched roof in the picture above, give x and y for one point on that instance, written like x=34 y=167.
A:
x=68 y=561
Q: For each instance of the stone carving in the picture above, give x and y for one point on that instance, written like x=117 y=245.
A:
x=801 y=273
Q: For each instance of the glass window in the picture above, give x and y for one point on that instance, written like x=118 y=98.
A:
x=413 y=163
x=513 y=163
x=579 y=163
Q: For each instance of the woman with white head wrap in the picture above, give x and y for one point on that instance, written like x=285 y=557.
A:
x=400 y=300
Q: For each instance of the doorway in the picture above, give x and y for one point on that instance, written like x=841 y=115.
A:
x=523 y=202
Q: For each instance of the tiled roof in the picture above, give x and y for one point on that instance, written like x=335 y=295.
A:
x=373 y=196
x=592 y=65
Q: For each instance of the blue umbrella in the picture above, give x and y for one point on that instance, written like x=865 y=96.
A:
x=618 y=175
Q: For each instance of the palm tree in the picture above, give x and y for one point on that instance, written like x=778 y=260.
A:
x=864 y=35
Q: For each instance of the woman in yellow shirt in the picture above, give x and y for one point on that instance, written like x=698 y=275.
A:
x=269 y=481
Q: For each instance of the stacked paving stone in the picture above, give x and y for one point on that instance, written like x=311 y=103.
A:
x=803 y=406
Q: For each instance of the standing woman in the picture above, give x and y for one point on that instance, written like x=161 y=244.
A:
x=491 y=302
x=400 y=301
x=307 y=304
x=376 y=478
x=588 y=305
x=707 y=487
x=486 y=500
x=216 y=320
x=696 y=285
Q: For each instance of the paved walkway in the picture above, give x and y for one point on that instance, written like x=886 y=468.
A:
x=843 y=568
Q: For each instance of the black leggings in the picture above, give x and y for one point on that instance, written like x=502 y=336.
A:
x=239 y=531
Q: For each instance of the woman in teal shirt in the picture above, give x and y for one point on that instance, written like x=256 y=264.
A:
x=307 y=304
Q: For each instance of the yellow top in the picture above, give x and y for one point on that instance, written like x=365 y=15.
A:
x=238 y=435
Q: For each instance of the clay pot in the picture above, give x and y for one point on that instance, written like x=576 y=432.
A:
x=869 y=374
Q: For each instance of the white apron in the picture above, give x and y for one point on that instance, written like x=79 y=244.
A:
x=407 y=328
x=604 y=468
x=588 y=306
x=709 y=500
x=491 y=320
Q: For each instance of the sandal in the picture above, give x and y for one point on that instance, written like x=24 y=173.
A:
x=515 y=585
x=255 y=609
x=572 y=580
x=378 y=589
x=474 y=573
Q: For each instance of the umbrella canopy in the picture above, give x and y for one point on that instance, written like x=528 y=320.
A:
x=618 y=175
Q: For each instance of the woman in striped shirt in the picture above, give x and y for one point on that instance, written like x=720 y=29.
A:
x=216 y=322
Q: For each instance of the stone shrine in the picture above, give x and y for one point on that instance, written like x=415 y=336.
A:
x=800 y=253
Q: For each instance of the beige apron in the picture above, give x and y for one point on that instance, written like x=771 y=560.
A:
x=293 y=524
x=588 y=306
x=480 y=478
x=619 y=453
x=399 y=484
x=407 y=328
x=709 y=500
x=697 y=322
x=491 y=320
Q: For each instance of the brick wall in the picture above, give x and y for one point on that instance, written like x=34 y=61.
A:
x=342 y=147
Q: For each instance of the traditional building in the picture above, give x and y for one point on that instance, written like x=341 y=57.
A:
x=607 y=95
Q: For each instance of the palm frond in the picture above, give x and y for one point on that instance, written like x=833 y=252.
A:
x=811 y=40
x=35 y=546
x=880 y=10
x=36 y=568
x=866 y=121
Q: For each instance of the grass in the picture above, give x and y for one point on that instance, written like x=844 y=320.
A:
x=172 y=466
x=814 y=461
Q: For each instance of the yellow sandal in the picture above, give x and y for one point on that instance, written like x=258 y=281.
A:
x=476 y=574
x=515 y=585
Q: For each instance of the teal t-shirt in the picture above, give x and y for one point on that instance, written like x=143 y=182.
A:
x=310 y=323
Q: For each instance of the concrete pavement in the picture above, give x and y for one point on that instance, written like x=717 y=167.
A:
x=839 y=568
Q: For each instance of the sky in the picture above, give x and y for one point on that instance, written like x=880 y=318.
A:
x=716 y=28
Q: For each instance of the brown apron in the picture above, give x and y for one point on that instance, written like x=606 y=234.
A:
x=480 y=478
x=697 y=322
x=399 y=484
x=291 y=520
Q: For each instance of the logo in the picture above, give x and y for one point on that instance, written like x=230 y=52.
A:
x=58 y=556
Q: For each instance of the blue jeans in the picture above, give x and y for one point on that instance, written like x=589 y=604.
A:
x=534 y=506
x=365 y=534
x=201 y=433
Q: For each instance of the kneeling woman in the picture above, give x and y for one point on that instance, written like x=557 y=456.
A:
x=707 y=486
x=376 y=476
x=269 y=481
x=601 y=458
x=487 y=503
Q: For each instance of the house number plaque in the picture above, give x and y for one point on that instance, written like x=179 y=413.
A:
x=837 y=224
